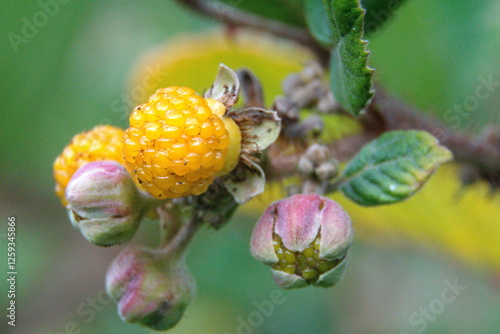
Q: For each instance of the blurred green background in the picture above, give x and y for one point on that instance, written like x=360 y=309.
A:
x=66 y=76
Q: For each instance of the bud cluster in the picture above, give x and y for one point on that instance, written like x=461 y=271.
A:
x=309 y=89
x=317 y=162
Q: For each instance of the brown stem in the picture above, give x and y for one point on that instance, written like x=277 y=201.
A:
x=384 y=113
x=387 y=113
x=236 y=18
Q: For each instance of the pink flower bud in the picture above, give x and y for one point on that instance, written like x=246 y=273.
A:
x=104 y=203
x=305 y=239
x=150 y=289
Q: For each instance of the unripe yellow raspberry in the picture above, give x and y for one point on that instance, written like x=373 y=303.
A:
x=104 y=142
x=176 y=144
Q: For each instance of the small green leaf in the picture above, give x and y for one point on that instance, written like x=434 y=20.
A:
x=350 y=76
x=392 y=167
x=318 y=22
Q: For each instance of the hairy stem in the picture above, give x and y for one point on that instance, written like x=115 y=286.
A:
x=170 y=222
x=175 y=231
x=183 y=237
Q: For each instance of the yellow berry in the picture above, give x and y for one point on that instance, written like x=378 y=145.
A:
x=232 y=141
x=103 y=142
x=178 y=142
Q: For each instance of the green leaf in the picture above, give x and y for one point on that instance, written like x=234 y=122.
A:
x=392 y=167
x=350 y=76
x=318 y=22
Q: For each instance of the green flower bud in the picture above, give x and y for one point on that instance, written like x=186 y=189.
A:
x=305 y=239
x=149 y=288
x=104 y=203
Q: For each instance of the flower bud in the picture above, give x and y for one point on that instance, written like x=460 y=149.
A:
x=104 y=203
x=305 y=239
x=318 y=162
x=326 y=171
x=149 y=289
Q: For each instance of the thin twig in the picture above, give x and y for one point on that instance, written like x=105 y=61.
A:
x=384 y=113
x=182 y=237
x=387 y=113
x=175 y=230
x=170 y=223
x=236 y=18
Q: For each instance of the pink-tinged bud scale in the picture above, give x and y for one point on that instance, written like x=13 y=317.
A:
x=304 y=239
x=149 y=288
x=104 y=203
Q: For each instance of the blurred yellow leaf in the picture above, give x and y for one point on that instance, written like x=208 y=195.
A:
x=192 y=60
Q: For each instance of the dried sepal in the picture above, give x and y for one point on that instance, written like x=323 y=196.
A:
x=247 y=180
x=225 y=88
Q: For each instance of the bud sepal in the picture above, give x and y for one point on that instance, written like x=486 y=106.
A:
x=104 y=203
x=259 y=128
x=305 y=239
